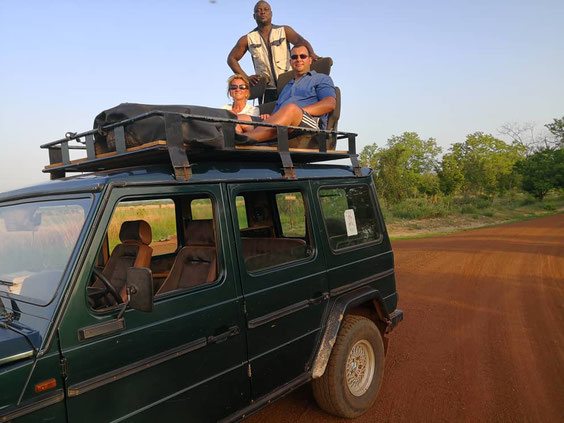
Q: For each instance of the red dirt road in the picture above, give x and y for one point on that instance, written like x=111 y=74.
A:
x=483 y=335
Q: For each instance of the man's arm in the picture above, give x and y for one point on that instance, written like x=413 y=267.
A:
x=322 y=107
x=237 y=54
x=296 y=38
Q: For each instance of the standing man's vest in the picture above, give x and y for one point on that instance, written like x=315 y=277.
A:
x=270 y=63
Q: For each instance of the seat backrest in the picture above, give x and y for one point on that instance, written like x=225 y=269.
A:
x=257 y=91
x=196 y=263
x=133 y=251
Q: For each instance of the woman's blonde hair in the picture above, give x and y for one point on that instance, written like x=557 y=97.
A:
x=238 y=76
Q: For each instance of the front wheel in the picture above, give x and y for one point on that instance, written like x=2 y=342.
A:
x=354 y=373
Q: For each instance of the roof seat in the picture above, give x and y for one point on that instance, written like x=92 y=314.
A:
x=322 y=65
x=196 y=263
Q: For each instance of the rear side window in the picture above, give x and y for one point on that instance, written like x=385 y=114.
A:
x=274 y=230
x=349 y=215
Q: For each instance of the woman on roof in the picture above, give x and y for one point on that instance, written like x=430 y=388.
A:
x=238 y=90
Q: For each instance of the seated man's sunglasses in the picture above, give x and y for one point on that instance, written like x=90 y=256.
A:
x=301 y=56
x=241 y=87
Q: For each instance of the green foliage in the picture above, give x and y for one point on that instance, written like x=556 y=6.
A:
x=451 y=177
x=549 y=207
x=556 y=128
x=542 y=171
x=404 y=168
x=485 y=164
x=420 y=208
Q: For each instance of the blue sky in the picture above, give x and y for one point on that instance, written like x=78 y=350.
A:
x=443 y=69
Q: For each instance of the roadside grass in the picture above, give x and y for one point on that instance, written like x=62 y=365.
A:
x=417 y=218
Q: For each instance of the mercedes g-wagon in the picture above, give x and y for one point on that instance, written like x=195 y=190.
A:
x=178 y=281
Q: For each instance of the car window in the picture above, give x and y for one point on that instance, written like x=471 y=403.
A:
x=178 y=261
x=160 y=214
x=349 y=215
x=276 y=231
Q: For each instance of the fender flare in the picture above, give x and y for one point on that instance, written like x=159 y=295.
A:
x=335 y=318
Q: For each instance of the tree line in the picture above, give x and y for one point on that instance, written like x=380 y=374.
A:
x=482 y=165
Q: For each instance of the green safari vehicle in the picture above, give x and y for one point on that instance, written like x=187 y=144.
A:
x=174 y=281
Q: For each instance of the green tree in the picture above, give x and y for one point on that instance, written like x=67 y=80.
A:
x=451 y=177
x=556 y=128
x=486 y=162
x=402 y=168
x=542 y=172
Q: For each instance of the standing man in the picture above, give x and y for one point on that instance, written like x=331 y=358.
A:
x=305 y=101
x=268 y=45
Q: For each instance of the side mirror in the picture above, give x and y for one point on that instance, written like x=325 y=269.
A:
x=140 y=288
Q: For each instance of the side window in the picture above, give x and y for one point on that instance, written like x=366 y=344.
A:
x=159 y=214
x=241 y=212
x=292 y=214
x=143 y=233
x=201 y=209
x=276 y=230
x=349 y=215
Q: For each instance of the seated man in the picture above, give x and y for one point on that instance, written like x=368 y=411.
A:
x=305 y=101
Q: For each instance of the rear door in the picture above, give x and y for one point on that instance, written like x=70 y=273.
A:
x=282 y=276
x=185 y=360
x=356 y=244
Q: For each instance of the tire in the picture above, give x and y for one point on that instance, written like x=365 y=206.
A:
x=358 y=342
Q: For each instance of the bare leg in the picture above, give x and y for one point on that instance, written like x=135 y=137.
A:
x=240 y=128
x=288 y=115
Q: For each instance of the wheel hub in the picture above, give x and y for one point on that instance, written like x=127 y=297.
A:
x=360 y=368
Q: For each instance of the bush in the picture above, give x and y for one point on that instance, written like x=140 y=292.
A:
x=527 y=201
x=549 y=207
x=468 y=209
x=421 y=208
x=488 y=212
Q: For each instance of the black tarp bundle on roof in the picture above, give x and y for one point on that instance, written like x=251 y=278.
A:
x=197 y=133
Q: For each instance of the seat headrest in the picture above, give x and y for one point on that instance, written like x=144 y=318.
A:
x=136 y=231
x=200 y=232
x=257 y=91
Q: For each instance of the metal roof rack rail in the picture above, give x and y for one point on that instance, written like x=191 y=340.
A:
x=176 y=151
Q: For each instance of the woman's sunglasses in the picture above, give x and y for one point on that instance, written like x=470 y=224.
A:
x=241 y=87
x=301 y=56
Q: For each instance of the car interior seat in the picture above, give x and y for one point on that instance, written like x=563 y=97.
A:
x=196 y=263
x=133 y=251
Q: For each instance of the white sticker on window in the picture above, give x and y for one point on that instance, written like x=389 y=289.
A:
x=350 y=221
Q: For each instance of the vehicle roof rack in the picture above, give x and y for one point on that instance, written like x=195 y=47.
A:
x=178 y=152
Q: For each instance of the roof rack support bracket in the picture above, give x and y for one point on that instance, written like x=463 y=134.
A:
x=90 y=150
x=176 y=150
x=56 y=156
x=119 y=135
x=229 y=134
x=354 y=157
x=284 y=151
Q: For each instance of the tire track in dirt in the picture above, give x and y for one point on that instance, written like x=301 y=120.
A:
x=483 y=335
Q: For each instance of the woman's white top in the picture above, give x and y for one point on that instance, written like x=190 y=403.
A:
x=247 y=110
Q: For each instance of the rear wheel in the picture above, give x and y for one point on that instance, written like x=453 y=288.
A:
x=354 y=373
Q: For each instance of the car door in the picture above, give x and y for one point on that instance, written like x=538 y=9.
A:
x=354 y=237
x=283 y=279
x=185 y=360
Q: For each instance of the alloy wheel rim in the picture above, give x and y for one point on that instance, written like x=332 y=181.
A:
x=360 y=368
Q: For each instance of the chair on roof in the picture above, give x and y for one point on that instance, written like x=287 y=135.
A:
x=133 y=251
x=322 y=65
x=257 y=91
x=196 y=263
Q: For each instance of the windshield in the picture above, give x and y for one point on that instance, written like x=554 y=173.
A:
x=36 y=241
